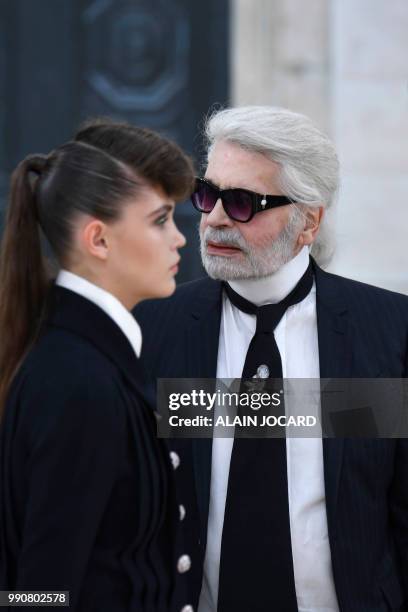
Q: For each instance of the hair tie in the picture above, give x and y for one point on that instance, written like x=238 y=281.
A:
x=36 y=163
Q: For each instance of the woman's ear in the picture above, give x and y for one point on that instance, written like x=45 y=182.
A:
x=313 y=218
x=95 y=239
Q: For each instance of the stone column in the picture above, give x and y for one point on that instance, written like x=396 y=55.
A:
x=370 y=120
x=343 y=63
x=280 y=55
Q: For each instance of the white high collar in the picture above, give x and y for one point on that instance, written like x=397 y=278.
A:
x=274 y=288
x=107 y=302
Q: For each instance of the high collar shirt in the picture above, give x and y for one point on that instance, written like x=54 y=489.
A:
x=296 y=337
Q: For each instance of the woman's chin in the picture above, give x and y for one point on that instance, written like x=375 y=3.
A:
x=158 y=290
x=171 y=287
x=164 y=290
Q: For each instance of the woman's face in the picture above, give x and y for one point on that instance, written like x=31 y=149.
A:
x=142 y=249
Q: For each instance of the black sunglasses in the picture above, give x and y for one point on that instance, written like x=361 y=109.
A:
x=239 y=204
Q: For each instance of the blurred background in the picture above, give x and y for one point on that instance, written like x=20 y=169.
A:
x=165 y=64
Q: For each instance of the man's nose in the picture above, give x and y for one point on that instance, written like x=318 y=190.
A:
x=218 y=217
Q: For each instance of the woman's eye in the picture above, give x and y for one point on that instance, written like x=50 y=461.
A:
x=161 y=220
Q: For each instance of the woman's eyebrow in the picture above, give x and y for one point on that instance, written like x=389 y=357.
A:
x=162 y=209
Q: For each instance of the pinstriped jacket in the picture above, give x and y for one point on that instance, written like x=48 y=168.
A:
x=362 y=333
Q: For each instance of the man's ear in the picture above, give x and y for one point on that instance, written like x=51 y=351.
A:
x=94 y=239
x=313 y=217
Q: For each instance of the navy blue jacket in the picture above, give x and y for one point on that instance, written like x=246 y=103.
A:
x=362 y=333
x=87 y=491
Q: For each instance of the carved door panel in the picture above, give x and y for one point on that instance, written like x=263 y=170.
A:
x=158 y=63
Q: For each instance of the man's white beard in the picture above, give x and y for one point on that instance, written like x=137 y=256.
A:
x=254 y=262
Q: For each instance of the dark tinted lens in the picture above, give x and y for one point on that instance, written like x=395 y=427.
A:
x=204 y=197
x=237 y=204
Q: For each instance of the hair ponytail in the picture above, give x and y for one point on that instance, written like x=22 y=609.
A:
x=23 y=277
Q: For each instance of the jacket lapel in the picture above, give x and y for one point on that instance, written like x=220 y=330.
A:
x=73 y=312
x=202 y=336
x=203 y=331
x=335 y=354
x=335 y=358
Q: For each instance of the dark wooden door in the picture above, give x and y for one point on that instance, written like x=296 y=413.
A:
x=158 y=63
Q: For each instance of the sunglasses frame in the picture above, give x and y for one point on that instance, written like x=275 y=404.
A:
x=259 y=202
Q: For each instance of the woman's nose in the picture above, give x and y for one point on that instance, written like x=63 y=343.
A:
x=179 y=238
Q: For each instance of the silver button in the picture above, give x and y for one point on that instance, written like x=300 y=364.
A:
x=175 y=460
x=183 y=564
x=262 y=372
x=187 y=609
x=182 y=512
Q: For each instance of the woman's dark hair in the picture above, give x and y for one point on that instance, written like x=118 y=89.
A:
x=94 y=174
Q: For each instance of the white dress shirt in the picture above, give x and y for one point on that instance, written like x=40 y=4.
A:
x=296 y=337
x=107 y=302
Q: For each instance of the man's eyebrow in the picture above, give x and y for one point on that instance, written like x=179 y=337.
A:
x=162 y=209
x=212 y=183
x=227 y=186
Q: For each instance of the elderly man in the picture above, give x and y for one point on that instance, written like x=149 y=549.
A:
x=296 y=524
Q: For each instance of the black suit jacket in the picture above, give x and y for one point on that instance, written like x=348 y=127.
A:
x=362 y=333
x=87 y=498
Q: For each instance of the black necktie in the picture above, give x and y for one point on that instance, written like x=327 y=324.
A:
x=256 y=568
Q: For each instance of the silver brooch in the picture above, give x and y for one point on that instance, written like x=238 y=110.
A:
x=262 y=372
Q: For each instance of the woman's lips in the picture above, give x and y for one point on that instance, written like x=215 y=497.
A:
x=214 y=248
x=174 y=269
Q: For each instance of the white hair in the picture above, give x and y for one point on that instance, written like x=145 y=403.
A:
x=309 y=168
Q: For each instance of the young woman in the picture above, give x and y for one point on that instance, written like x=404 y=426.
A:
x=87 y=491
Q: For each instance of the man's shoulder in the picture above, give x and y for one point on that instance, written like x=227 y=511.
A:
x=181 y=300
x=354 y=292
x=359 y=286
x=195 y=287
